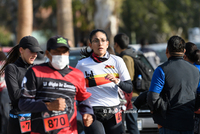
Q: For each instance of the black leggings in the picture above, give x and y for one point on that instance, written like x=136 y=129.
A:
x=106 y=127
x=14 y=127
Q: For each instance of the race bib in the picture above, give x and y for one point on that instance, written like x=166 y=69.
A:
x=25 y=124
x=53 y=121
x=118 y=117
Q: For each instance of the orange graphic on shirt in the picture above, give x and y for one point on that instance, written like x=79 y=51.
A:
x=97 y=80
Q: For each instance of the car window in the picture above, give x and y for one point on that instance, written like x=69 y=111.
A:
x=145 y=61
x=73 y=59
x=162 y=55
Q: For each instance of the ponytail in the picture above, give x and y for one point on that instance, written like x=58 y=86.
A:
x=85 y=53
x=192 y=52
x=197 y=56
x=11 y=57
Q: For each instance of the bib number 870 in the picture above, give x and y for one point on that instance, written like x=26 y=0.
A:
x=56 y=122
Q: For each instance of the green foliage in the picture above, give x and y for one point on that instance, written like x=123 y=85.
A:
x=183 y=14
x=5 y=37
x=83 y=14
x=159 y=19
x=145 y=17
x=8 y=14
x=155 y=20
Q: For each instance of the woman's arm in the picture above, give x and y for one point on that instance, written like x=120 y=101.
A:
x=12 y=83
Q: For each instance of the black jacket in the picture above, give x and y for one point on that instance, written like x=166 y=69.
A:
x=173 y=107
x=14 y=74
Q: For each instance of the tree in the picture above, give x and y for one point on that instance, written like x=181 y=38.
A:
x=83 y=17
x=65 y=20
x=106 y=17
x=25 y=18
x=145 y=18
x=157 y=20
x=183 y=15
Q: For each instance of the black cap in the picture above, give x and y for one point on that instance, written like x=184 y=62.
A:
x=57 y=41
x=31 y=43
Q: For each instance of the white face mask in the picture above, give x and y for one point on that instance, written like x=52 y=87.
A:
x=59 y=61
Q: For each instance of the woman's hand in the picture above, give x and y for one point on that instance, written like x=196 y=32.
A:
x=112 y=78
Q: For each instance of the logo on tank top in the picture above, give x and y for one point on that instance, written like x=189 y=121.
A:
x=90 y=79
x=109 y=66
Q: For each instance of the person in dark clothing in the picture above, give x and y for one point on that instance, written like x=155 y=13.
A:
x=50 y=91
x=192 y=55
x=20 y=58
x=171 y=96
x=121 y=42
x=4 y=99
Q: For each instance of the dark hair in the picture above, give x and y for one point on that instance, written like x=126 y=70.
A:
x=2 y=56
x=192 y=52
x=143 y=42
x=175 y=44
x=11 y=57
x=84 y=51
x=95 y=31
x=110 y=50
x=122 y=40
x=84 y=41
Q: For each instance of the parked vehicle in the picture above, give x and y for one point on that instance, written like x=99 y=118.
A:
x=159 y=48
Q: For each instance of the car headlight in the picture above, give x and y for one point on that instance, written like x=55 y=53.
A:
x=139 y=124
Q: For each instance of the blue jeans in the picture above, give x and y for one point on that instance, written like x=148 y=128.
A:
x=163 y=130
x=131 y=120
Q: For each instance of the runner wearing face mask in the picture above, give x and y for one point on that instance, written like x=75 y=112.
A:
x=59 y=61
x=50 y=91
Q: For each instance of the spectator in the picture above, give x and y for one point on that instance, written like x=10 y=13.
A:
x=121 y=47
x=150 y=54
x=171 y=96
x=82 y=42
x=50 y=91
x=104 y=73
x=19 y=59
x=192 y=55
x=4 y=99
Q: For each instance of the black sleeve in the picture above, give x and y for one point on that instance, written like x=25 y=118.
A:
x=12 y=83
x=126 y=86
x=156 y=103
x=27 y=101
x=141 y=100
x=197 y=102
x=152 y=99
x=85 y=107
